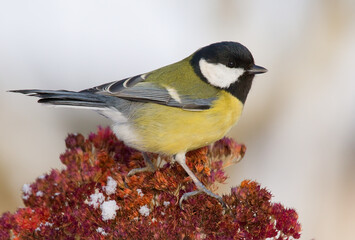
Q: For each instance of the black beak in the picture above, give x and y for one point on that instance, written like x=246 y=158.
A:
x=256 y=70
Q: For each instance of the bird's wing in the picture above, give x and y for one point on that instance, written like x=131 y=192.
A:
x=138 y=90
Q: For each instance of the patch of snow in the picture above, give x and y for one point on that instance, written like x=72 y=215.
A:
x=109 y=209
x=144 y=210
x=111 y=185
x=96 y=199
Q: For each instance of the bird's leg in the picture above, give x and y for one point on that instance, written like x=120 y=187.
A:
x=149 y=166
x=181 y=159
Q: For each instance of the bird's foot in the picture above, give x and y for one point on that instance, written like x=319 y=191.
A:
x=180 y=158
x=185 y=196
x=150 y=167
x=139 y=170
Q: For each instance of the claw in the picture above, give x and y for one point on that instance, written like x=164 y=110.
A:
x=148 y=168
x=180 y=158
x=138 y=170
x=185 y=196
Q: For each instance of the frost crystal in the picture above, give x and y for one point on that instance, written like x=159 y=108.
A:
x=109 y=209
x=101 y=230
x=111 y=186
x=96 y=199
x=39 y=194
x=139 y=191
x=25 y=197
x=144 y=211
x=26 y=189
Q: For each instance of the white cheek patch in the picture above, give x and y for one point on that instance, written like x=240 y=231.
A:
x=218 y=74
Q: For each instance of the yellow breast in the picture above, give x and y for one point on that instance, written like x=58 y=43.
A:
x=169 y=130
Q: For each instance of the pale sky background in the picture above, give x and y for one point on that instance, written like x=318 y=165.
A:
x=298 y=122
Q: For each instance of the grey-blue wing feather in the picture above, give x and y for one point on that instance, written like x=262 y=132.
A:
x=138 y=90
x=116 y=86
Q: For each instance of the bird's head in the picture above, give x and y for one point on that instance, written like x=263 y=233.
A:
x=228 y=66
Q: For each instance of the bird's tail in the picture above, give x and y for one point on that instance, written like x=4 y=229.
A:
x=67 y=98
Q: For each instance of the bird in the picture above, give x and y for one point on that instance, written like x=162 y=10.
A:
x=174 y=109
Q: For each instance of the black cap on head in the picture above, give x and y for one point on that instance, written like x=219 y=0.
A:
x=226 y=53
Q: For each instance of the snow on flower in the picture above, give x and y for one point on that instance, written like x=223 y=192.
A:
x=26 y=189
x=39 y=194
x=96 y=199
x=109 y=209
x=144 y=211
x=140 y=193
x=110 y=188
x=101 y=230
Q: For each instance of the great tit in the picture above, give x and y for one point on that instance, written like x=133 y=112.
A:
x=174 y=109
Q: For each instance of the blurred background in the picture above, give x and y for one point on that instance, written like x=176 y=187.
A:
x=298 y=122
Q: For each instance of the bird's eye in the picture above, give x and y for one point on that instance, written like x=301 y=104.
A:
x=231 y=63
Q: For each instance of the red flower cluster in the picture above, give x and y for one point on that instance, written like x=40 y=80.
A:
x=92 y=198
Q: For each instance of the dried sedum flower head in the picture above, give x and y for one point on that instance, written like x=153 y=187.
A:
x=92 y=198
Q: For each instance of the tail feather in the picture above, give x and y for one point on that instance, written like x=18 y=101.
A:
x=66 y=98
